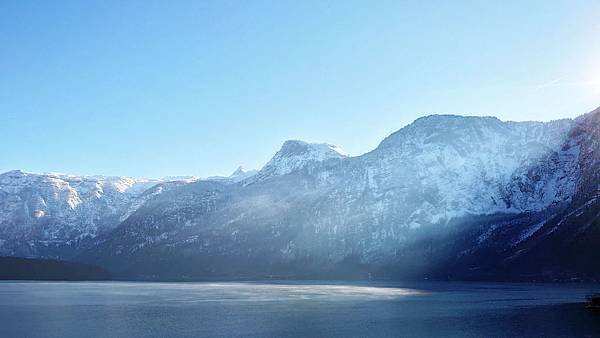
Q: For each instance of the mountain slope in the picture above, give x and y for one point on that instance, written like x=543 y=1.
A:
x=425 y=203
x=560 y=243
x=446 y=197
x=49 y=215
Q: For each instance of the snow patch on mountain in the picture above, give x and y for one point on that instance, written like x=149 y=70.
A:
x=188 y=179
x=295 y=154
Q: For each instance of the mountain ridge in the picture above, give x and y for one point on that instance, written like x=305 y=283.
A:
x=463 y=183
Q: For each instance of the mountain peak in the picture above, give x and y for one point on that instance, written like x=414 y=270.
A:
x=239 y=171
x=242 y=173
x=445 y=123
x=295 y=154
x=444 y=128
x=454 y=117
x=17 y=172
x=324 y=150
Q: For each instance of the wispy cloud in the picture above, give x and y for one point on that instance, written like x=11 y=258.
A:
x=559 y=82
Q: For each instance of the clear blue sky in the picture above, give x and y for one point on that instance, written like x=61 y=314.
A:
x=155 y=88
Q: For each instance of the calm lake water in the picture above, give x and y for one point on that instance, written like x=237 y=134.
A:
x=128 y=309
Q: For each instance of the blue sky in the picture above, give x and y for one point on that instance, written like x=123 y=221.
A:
x=156 y=88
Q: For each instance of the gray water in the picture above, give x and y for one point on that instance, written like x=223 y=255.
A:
x=128 y=309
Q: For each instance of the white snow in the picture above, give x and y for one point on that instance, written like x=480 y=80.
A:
x=295 y=154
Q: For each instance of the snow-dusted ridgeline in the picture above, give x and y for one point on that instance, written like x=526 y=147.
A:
x=463 y=184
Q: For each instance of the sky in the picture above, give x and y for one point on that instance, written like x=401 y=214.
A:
x=157 y=88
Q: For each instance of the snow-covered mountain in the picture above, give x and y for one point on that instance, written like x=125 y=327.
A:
x=295 y=155
x=54 y=214
x=238 y=175
x=444 y=197
x=445 y=167
x=188 y=179
x=437 y=189
x=40 y=211
x=557 y=243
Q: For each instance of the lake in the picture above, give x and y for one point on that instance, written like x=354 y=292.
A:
x=287 y=309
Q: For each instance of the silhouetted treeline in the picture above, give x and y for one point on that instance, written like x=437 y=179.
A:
x=13 y=268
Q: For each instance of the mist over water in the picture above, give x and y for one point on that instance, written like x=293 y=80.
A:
x=107 y=309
